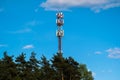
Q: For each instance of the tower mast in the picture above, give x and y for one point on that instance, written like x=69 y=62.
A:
x=59 y=32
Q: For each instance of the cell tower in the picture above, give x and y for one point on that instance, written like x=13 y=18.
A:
x=59 y=32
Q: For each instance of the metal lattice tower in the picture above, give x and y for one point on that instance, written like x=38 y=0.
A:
x=59 y=32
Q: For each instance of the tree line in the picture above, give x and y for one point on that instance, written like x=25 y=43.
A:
x=57 y=68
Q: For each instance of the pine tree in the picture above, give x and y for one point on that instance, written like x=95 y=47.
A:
x=57 y=68
x=71 y=71
x=84 y=73
x=58 y=65
x=47 y=73
x=8 y=69
x=34 y=67
x=21 y=66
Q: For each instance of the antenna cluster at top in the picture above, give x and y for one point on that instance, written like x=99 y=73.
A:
x=59 y=20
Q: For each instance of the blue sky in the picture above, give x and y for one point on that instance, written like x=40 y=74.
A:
x=92 y=30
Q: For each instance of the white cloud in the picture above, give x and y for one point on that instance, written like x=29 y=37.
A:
x=33 y=22
x=95 y=5
x=27 y=27
x=98 y=52
x=3 y=45
x=26 y=30
x=113 y=53
x=93 y=74
x=112 y=5
x=28 y=46
x=107 y=70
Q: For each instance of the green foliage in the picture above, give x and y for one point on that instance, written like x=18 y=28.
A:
x=8 y=69
x=57 y=68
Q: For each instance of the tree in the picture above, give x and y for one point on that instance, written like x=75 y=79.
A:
x=47 y=71
x=8 y=69
x=84 y=73
x=58 y=64
x=34 y=67
x=57 y=68
x=71 y=70
x=21 y=66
